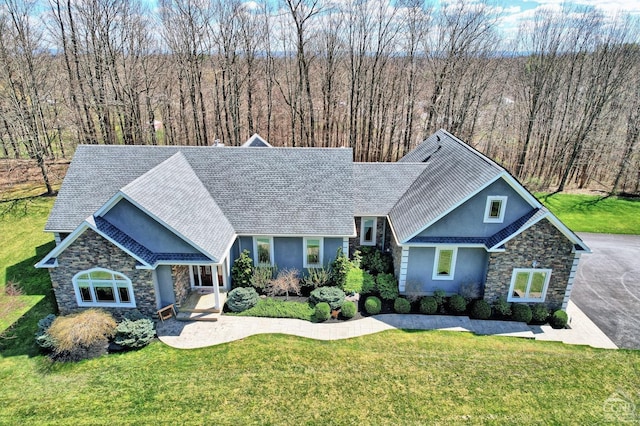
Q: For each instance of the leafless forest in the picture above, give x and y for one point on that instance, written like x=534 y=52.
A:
x=558 y=105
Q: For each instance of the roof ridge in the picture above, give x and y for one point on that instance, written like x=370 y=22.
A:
x=473 y=150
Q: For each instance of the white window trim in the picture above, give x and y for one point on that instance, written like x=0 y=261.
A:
x=528 y=299
x=304 y=253
x=487 y=208
x=454 y=257
x=83 y=304
x=373 y=233
x=255 y=251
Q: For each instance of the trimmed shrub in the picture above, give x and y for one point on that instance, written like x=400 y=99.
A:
x=480 y=310
x=402 y=305
x=428 y=305
x=457 y=304
x=242 y=298
x=331 y=295
x=43 y=338
x=242 y=270
x=348 y=309
x=322 y=312
x=440 y=297
x=316 y=277
x=372 y=305
x=134 y=334
x=559 y=319
x=81 y=336
x=339 y=268
x=376 y=262
x=521 y=312
x=387 y=286
x=470 y=291
x=539 y=313
x=502 y=308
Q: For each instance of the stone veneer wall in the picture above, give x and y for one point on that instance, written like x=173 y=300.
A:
x=543 y=243
x=181 y=283
x=90 y=250
x=396 y=254
x=383 y=236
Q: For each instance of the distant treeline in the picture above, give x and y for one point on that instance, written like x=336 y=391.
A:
x=372 y=75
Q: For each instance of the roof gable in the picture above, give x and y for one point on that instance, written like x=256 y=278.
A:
x=453 y=173
x=256 y=141
x=172 y=194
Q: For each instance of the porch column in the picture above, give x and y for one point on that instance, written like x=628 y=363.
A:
x=216 y=286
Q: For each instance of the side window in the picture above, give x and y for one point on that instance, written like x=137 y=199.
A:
x=444 y=264
x=368 y=226
x=313 y=252
x=495 y=208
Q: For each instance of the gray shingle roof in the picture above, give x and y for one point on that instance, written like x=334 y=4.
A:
x=276 y=191
x=143 y=253
x=256 y=141
x=378 y=186
x=454 y=171
x=172 y=193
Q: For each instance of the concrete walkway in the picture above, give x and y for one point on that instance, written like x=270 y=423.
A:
x=190 y=335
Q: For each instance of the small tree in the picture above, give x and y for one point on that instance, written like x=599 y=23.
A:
x=286 y=282
x=340 y=268
x=242 y=270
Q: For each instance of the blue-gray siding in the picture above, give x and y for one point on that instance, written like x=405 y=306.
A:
x=145 y=230
x=468 y=219
x=288 y=252
x=471 y=265
x=164 y=278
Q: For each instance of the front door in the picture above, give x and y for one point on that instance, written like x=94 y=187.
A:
x=202 y=276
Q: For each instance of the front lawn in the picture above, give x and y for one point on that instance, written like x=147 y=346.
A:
x=395 y=377
x=590 y=213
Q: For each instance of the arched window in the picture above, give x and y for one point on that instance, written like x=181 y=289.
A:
x=102 y=287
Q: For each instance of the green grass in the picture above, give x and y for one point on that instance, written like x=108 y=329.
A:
x=590 y=213
x=394 y=377
x=23 y=244
x=272 y=308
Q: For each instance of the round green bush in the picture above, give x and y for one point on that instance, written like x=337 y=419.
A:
x=428 y=305
x=440 y=297
x=334 y=296
x=322 y=312
x=521 y=312
x=502 y=308
x=402 y=305
x=559 y=319
x=372 y=305
x=539 y=313
x=480 y=310
x=134 y=334
x=242 y=298
x=348 y=309
x=457 y=304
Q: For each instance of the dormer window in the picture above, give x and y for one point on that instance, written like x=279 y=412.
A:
x=495 y=208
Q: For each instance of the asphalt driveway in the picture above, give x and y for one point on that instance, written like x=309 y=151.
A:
x=607 y=286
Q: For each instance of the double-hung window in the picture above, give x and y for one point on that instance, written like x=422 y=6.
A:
x=102 y=287
x=263 y=251
x=444 y=264
x=529 y=285
x=313 y=252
